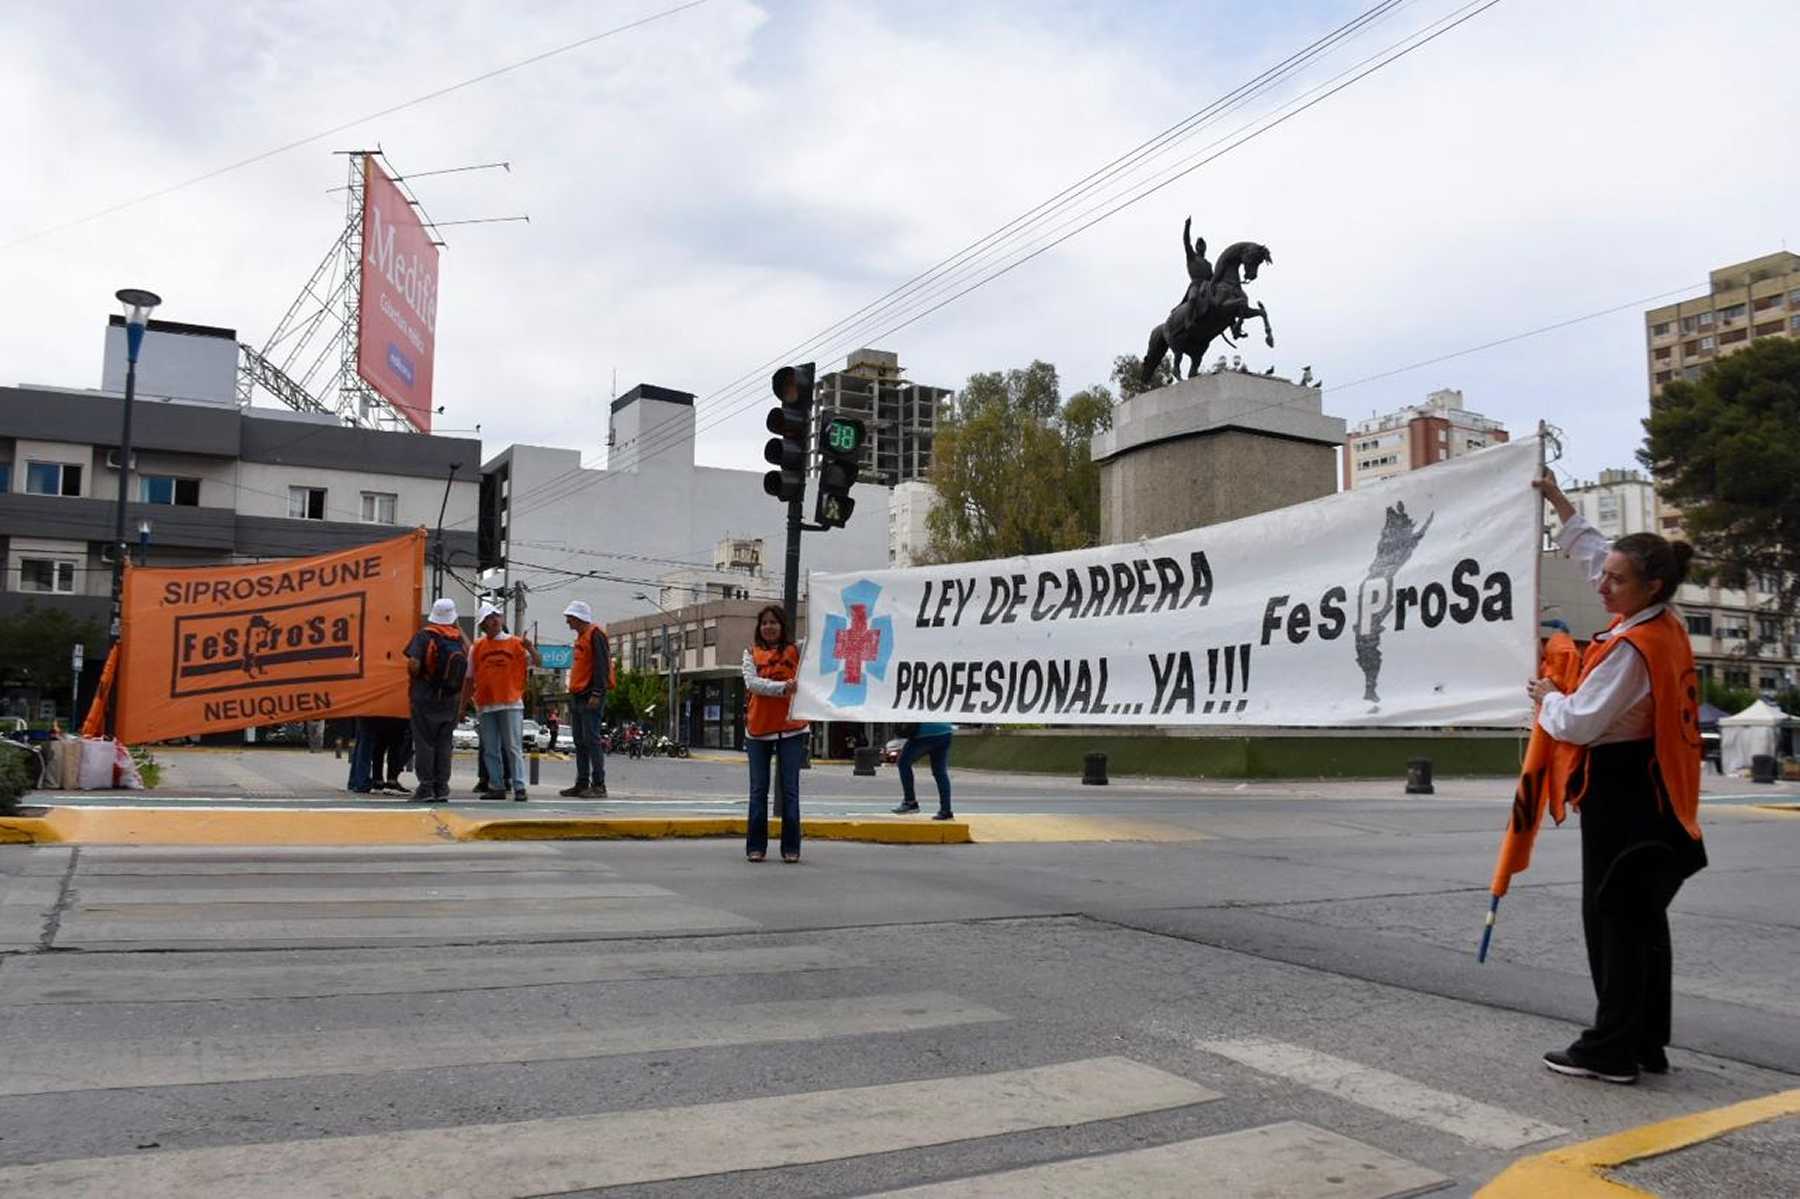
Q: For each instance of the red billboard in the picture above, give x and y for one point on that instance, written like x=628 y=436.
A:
x=397 y=319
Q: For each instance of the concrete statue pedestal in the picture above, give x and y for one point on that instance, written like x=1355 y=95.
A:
x=1211 y=449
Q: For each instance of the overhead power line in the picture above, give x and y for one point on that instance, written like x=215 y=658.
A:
x=355 y=121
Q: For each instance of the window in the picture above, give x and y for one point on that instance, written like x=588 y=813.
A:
x=1706 y=345
x=53 y=575
x=1794 y=298
x=5 y=477
x=1664 y=376
x=1609 y=507
x=1768 y=628
x=1689 y=324
x=1766 y=302
x=52 y=478
x=710 y=635
x=1735 y=632
x=1766 y=330
x=1771 y=682
x=1660 y=330
x=1794 y=323
x=1662 y=353
x=378 y=507
x=1691 y=372
x=1689 y=348
x=1738 y=679
x=306 y=503
x=1769 y=584
x=166 y=489
x=1733 y=337
x=1706 y=319
x=1671 y=522
x=1700 y=624
x=1733 y=313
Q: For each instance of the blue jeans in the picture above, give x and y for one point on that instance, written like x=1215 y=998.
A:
x=590 y=759
x=503 y=748
x=362 y=755
x=788 y=753
x=939 y=749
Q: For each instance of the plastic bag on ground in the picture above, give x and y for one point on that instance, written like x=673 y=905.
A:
x=98 y=761
x=125 y=771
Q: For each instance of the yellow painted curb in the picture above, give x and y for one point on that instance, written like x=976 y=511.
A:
x=643 y=828
x=988 y=828
x=1786 y=809
x=274 y=826
x=1579 y=1171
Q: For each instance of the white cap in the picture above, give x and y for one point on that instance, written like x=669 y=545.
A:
x=443 y=611
x=580 y=611
x=487 y=610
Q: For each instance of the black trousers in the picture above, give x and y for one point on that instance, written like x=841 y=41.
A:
x=1635 y=855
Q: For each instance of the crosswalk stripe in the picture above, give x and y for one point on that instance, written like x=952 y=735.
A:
x=114 y=978
x=1461 y=1117
x=621 y=1148
x=36 y=1066
x=1290 y=1159
x=230 y=892
x=616 y=917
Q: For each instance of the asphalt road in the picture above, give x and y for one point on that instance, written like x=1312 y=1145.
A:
x=1276 y=994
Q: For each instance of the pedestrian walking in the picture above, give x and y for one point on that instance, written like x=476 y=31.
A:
x=589 y=677
x=553 y=724
x=496 y=691
x=927 y=740
x=1628 y=759
x=771 y=674
x=437 y=659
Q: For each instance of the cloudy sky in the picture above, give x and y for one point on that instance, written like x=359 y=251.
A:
x=716 y=187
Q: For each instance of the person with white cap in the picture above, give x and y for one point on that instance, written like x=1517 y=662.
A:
x=437 y=658
x=496 y=689
x=589 y=677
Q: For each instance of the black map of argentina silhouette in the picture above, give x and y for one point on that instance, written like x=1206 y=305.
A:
x=1397 y=542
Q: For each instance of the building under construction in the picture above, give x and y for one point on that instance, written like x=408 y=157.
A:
x=900 y=418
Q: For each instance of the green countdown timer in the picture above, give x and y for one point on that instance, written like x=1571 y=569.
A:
x=843 y=436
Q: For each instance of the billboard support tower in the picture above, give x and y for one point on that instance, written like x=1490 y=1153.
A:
x=313 y=361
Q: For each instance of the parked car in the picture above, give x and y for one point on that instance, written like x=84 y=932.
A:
x=465 y=736
x=890 y=753
x=536 y=735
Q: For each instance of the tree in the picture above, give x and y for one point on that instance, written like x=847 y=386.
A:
x=1723 y=449
x=637 y=692
x=1012 y=468
x=1129 y=368
x=35 y=647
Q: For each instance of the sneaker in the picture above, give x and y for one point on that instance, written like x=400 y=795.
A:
x=422 y=795
x=945 y=816
x=597 y=792
x=578 y=791
x=519 y=798
x=478 y=789
x=492 y=795
x=1564 y=1062
x=1653 y=1061
x=906 y=808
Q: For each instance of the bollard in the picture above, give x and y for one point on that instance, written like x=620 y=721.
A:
x=1093 y=770
x=867 y=758
x=337 y=748
x=534 y=768
x=1762 y=768
x=1418 y=777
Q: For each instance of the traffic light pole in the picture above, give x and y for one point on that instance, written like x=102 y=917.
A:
x=790 y=584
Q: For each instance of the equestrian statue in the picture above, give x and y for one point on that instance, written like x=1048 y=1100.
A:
x=1215 y=304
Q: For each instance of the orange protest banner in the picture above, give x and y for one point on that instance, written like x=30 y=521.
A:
x=1536 y=788
x=215 y=648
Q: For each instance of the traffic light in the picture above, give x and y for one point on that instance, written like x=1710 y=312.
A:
x=840 y=449
x=786 y=451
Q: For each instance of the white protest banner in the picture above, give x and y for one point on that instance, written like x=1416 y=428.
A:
x=1410 y=602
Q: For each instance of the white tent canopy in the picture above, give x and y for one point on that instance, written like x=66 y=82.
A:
x=1755 y=730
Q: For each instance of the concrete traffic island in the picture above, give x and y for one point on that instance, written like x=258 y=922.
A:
x=148 y=825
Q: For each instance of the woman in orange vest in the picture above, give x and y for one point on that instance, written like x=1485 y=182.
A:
x=1629 y=739
x=771 y=669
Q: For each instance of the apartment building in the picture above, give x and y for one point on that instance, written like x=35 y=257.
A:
x=900 y=418
x=1746 y=301
x=1418 y=435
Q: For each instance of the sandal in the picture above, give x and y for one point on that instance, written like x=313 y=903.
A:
x=755 y=857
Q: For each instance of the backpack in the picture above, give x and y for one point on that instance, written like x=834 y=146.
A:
x=446 y=663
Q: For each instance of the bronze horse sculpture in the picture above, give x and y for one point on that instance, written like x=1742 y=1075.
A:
x=1215 y=305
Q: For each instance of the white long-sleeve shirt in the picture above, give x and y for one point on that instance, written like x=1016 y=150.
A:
x=1613 y=703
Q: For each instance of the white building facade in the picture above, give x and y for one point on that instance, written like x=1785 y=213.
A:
x=909 y=536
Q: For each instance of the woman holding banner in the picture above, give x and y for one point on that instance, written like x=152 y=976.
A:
x=771 y=673
x=1628 y=756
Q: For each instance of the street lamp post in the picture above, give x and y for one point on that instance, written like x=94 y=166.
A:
x=668 y=653
x=139 y=304
x=143 y=542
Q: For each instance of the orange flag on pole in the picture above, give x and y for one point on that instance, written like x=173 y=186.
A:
x=1562 y=666
x=216 y=648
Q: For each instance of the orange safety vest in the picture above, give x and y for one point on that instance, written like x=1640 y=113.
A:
x=766 y=715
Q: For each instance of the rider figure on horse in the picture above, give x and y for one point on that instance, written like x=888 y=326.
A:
x=1200 y=272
